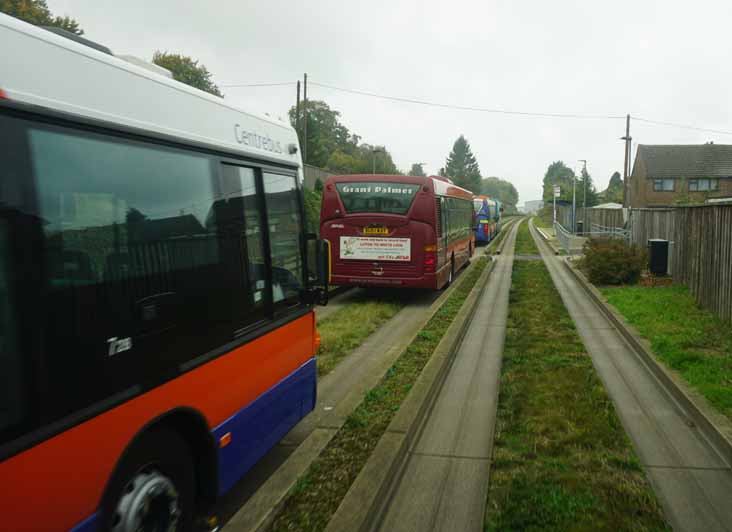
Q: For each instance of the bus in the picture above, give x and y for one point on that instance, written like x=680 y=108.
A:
x=157 y=333
x=487 y=218
x=396 y=231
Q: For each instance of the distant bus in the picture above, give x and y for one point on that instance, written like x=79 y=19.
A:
x=488 y=214
x=157 y=334
x=396 y=231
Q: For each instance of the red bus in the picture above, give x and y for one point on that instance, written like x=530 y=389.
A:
x=157 y=334
x=400 y=231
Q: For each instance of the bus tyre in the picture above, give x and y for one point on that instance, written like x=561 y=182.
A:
x=153 y=488
x=452 y=272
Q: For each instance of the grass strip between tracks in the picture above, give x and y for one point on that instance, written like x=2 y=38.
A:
x=562 y=460
x=347 y=328
x=690 y=340
x=525 y=244
x=318 y=493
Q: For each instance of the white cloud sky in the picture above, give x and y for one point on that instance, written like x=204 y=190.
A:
x=665 y=60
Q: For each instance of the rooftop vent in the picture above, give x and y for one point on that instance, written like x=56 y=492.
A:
x=152 y=67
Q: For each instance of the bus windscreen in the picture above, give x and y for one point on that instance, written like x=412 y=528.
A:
x=392 y=198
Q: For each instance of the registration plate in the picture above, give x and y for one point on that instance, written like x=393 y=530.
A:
x=375 y=231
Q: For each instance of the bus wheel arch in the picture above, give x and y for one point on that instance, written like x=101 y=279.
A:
x=186 y=436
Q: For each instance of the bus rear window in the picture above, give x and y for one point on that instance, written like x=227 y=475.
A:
x=392 y=198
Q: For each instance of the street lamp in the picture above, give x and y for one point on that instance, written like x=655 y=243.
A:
x=373 y=158
x=584 y=194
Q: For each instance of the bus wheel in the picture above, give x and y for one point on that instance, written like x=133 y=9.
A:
x=452 y=272
x=153 y=488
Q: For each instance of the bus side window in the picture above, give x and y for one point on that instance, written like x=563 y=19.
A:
x=240 y=216
x=285 y=228
x=12 y=404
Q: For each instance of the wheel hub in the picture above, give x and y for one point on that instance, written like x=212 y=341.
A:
x=149 y=504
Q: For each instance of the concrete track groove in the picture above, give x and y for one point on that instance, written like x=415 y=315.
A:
x=690 y=478
x=444 y=482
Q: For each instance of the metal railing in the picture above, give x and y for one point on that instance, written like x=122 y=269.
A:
x=564 y=237
x=597 y=230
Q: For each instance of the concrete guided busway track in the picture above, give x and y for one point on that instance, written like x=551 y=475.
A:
x=689 y=475
x=444 y=480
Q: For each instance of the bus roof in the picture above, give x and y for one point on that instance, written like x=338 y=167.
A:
x=441 y=185
x=52 y=72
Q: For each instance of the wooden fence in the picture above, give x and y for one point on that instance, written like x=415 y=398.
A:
x=702 y=245
x=311 y=174
x=651 y=223
x=702 y=257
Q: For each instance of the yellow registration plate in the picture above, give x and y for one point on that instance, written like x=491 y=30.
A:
x=375 y=231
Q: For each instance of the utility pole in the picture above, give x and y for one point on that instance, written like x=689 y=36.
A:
x=584 y=194
x=627 y=138
x=574 y=202
x=297 y=109
x=305 y=120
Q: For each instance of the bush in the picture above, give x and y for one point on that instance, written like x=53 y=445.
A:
x=612 y=261
x=312 y=210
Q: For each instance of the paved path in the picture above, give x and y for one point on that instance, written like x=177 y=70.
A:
x=691 y=480
x=340 y=391
x=444 y=483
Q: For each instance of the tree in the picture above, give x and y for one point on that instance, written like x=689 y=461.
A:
x=333 y=147
x=560 y=174
x=417 y=170
x=502 y=190
x=188 y=71
x=614 y=192
x=37 y=12
x=326 y=134
x=462 y=167
x=589 y=192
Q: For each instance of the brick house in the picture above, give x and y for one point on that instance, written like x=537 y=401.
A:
x=666 y=175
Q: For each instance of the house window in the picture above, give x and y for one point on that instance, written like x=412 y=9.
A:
x=703 y=185
x=663 y=185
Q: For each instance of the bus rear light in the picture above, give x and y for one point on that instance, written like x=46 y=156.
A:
x=317 y=341
x=3 y=95
x=430 y=261
x=432 y=248
x=225 y=440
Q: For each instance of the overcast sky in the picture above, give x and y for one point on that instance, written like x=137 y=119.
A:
x=666 y=61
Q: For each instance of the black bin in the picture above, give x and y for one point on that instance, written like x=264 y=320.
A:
x=580 y=227
x=658 y=256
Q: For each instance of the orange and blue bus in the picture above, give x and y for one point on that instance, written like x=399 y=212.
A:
x=157 y=333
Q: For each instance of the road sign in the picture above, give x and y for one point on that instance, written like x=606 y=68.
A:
x=557 y=191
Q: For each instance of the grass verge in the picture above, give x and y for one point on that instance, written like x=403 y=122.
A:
x=562 y=460
x=317 y=494
x=525 y=244
x=692 y=341
x=347 y=328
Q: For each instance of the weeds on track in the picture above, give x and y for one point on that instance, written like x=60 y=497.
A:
x=347 y=328
x=562 y=460
x=525 y=244
x=317 y=494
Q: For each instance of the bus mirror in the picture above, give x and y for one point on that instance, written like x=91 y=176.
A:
x=318 y=253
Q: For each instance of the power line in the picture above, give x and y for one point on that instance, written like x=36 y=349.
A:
x=240 y=85
x=680 y=126
x=463 y=107
x=481 y=109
